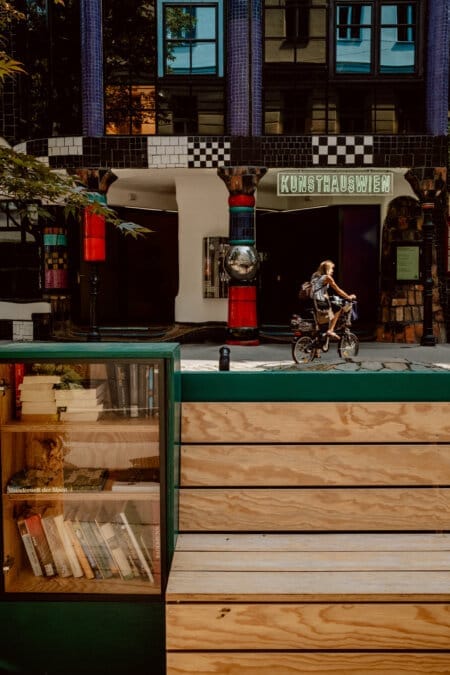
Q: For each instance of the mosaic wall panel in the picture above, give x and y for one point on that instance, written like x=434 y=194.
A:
x=215 y=151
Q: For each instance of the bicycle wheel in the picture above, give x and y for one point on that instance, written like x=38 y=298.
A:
x=348 y=346
x=303 y=350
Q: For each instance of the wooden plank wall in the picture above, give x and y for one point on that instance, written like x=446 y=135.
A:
x=313 y=539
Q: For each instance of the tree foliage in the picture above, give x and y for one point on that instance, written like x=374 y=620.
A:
x=25 y=179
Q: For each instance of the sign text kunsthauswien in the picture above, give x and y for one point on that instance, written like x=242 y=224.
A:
x=293 y=183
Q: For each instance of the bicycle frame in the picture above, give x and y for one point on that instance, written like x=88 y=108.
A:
x=315 y=333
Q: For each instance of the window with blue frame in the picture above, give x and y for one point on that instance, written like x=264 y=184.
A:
x=376 y=37
x=190 y=38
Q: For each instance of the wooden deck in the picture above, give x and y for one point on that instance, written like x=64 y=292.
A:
x=314 y=538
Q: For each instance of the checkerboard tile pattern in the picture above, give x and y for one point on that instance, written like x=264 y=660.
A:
x=342 y=150
x=206 y=154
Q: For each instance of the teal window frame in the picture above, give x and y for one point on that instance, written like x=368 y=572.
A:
x=378 y=24
x=190 y=39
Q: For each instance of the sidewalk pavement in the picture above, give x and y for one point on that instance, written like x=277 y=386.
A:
x=373 y=356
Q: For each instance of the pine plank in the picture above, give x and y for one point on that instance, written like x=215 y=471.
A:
x=288 y=663
x=269 y=587
x=314 y=465
x=314 y=509
x=313 y=542
x=212 y=626
x=308 y=561
x=378 y=422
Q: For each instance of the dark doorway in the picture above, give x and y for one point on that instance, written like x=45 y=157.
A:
x=139 y=280
x=293 y=243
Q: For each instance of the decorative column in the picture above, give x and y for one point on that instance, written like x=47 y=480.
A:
x=241 y=261
x=96 y=183
x=438 y=65
x=430 y=188
x=244 y=67
x=92 y=67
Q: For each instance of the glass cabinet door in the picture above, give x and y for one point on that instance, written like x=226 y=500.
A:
x=82 y=449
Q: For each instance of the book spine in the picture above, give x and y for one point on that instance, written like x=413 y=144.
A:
x=56 y=546
x=102 y=566
x=143 y=388
x=79 y=533
x=116 y=551
x=109 y=567
x=67 y=543
x=29 y=548
x=134 y=390
x=37 y=534
x=79 y=551
x=130 y=551
x=142 y=560
x=123 y=388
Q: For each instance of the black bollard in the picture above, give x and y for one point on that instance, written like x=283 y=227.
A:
x=224 y=358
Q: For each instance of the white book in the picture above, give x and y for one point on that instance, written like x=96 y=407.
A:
x=68 y=547
x=79 y=416
x=135 y=486
x=90 y=394
x=32 y=395
x=41 y=379
x=134 y=539
x=38 y=408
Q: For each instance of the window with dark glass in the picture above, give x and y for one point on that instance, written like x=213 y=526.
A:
x=376 y=37
x=297 y=20
x=129 y=47
x=295 y=31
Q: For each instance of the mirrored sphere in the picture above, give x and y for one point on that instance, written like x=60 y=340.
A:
x=241 y=262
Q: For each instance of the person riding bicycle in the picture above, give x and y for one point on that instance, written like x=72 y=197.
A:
x=321 y=281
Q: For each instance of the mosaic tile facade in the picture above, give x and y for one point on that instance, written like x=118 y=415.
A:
x=140 y=152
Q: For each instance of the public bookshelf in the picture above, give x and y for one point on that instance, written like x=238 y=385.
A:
x=83 y=454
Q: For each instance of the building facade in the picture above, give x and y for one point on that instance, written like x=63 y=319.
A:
x=300 y=129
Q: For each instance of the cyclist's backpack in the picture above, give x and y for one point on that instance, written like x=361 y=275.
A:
x=306 y=291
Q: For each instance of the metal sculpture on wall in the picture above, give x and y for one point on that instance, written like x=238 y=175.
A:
x=215 y=277
x=242 y=260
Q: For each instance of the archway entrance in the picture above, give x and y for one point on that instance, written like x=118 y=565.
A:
x=292 y=244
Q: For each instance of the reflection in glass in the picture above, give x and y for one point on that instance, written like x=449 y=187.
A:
x=353 y=39
x=397 y=35
x=191 y=40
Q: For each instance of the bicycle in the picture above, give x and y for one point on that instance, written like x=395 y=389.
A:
x=310 y=338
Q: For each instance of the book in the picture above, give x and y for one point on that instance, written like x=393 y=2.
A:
x=143 y=370
x=135 y=486
x=68 y=547
x=75 y=479
x=79 y=550
x=60 y=558
x=41 y=379
x=134 y=389
x=71 y=414
x=93 y=393
x=122 y=379
x=39 y=407
x=29 y=548
x=33 y=395
x=133 y=525
x=109 y=566
x=102 y=568
x=116 y=551
x=36 y=531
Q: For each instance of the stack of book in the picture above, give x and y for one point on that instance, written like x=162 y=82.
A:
x=81 y=404
x=37 y=396
x=89 y=544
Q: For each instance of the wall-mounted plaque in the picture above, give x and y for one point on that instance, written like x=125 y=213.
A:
x=407 y=263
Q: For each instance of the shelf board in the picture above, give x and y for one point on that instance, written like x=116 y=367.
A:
x=28 y=583
x=123 y=424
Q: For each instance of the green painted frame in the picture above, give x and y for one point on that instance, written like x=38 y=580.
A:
x=95 y=635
